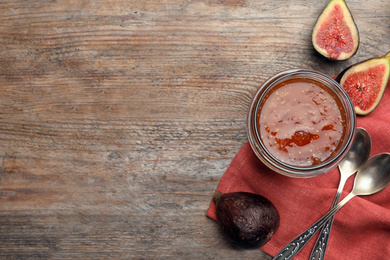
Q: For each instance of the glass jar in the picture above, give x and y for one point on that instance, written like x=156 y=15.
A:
x=301 y=123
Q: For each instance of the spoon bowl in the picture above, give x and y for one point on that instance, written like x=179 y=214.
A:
x=374 y=176
x=358 y=154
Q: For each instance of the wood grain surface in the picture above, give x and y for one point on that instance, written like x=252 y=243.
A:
x=118 y=118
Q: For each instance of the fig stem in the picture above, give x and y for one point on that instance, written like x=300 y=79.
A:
x=217 y=196
x=388 y=55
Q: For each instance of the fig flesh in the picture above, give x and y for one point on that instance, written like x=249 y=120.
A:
x=335 y=35
x=365 y=83
x=248 y=219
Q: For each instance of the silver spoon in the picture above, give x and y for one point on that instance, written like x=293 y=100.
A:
x=373 y=177
x=355 y=158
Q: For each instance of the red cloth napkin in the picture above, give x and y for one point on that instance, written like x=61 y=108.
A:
x=361 y=229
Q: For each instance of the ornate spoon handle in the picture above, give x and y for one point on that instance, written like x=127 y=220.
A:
x=292 y=248
x=321 y=244
x=322 y=241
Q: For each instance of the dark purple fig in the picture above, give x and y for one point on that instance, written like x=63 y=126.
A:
x=248 y=219
x=365 y=83
x=335 y=35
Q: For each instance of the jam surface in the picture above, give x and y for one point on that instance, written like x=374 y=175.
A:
x=301 y=123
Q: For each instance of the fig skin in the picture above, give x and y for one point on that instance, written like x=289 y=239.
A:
x=362 y=91
x=335 y=34
x=248 y=219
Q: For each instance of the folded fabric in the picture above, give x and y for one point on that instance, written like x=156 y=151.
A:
x=361 y=229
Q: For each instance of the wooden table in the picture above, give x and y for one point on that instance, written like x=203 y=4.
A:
x=118 y=118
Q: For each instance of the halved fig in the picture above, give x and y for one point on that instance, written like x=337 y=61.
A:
x=335 y=35
x=365 y=83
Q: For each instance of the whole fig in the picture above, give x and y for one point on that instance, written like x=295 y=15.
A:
x=248 y=219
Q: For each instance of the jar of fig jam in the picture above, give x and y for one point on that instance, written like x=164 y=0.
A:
x=301 y=123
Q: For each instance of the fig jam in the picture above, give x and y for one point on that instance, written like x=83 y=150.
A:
x=301 y=123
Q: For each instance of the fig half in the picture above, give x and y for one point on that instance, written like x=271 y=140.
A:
x=335 y=35
x=248 y=219
x=365 y=83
